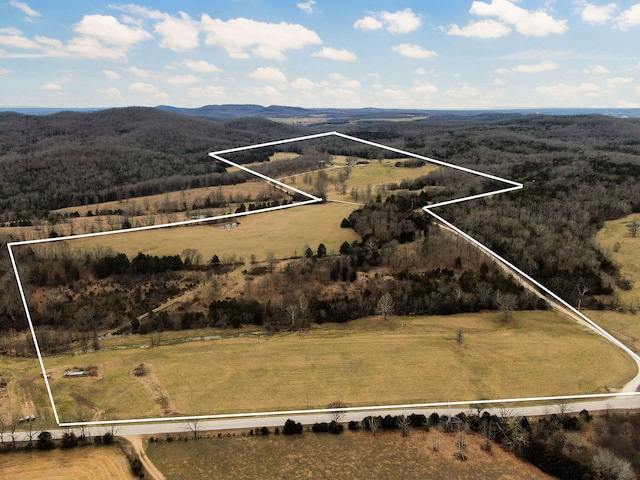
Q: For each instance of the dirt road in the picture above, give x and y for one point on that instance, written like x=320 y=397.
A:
x=138 y=446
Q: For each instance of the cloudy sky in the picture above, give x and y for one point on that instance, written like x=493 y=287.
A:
x=458 y=54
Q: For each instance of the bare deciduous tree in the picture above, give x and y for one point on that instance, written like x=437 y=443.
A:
x=404 y=424
x=633 y=227
x=31 y=431
x=515 y=435
x=193 y=427
x=385 y=305
x=507 y=303
x=582 y=291
x=337 y=411
x=609 y=466
x=372 y=424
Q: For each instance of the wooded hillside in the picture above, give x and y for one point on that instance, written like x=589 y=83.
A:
x=49 y=162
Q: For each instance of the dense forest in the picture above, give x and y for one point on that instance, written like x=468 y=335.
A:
x=50 y=162
x=578 y=172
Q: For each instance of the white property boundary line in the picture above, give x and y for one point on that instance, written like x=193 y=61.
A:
x=313 y=199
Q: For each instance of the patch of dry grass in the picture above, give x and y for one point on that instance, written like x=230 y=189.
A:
x=622 y=249
x=90 y=463
x=403 y=360
x=284 y=233
x=350 y=455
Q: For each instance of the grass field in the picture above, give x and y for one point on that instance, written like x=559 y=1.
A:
x=370 y=361
x=372 y=174
x=353 y=455
x=615 y=241
x=284 y=233
x=87 y=463
x=624 y=323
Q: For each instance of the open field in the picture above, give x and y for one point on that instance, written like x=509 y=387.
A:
x=369 y=361
x=284 y=233
x=618 y=245
x=87 y=463
x=353 y=454
x=624 y=326
x=151 y=203
x=615 y=241
x=373 y=174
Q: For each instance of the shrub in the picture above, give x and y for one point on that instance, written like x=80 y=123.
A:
x=434 y=419
x=136 y=467
x=322 y=427
x=417 y=420
x=292 y=428
x=69 y=440
x=45 y=441
x=335 y=428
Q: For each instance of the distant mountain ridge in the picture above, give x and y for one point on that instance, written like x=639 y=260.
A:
x=339 y=115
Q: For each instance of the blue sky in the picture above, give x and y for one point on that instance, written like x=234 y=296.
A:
x=459 y=54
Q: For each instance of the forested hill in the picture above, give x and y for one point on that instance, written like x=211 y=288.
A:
x=72 y=158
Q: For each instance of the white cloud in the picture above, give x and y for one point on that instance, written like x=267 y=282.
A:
x=339 y=80
x=421 y=71
x=498 y=82
x=342 y=55
x=368 y=23
x=178 y=34
x=111 y=74
x=5 y=71
x=480 y=29
x=612 y=82
x=13 y=38
x=629 y=18
x=52 y=87
x=465 y=92
x=562 y=89
x=306 y=7
x=183 y=79
x=303 y=84
x=267 y=94
x=268 y=40
x=342 y=97
x=413 y=51
x=595 y=70
x=529 y=23
x=111 y=92
x=402 y=21
x=25 y=8
x=393 y=94
x=200 y=66
x=424 y=87
x=148 y=89
x=107 y=29
x=544 y=66
x=209 y=92
x=141 y=73
x=268 y=74
x=598 y=14
x=100 y=36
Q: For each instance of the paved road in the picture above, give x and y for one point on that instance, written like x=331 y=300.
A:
x=611 y=402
